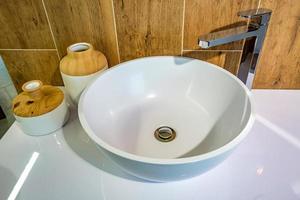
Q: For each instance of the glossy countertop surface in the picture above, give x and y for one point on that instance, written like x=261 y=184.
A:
x=67 y=165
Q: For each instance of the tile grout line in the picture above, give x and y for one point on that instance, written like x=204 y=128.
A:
x=239 y=63
x=115 y=27
x=223 y=50
x=253 y=80
x=28 y=49
x=51 y=31
x=249 y=20
x=259 y=2
x=182 y=32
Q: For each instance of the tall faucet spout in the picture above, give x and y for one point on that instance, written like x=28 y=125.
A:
x=227 y=36
x=257 y=28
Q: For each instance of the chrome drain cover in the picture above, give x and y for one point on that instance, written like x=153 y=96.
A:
x=165 y=134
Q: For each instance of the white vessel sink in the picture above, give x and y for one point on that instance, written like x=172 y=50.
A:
x=166 y=118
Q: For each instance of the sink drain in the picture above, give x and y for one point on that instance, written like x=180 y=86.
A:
x=165 y=134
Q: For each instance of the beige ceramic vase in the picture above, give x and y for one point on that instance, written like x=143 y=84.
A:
x=80 y=67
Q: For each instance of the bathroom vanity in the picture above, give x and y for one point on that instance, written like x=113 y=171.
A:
x=67 y=164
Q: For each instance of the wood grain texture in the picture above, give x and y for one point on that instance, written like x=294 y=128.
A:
x=148 y=27
x=82 y=62
x=24 y=66
x=229 y=60
x=35 y=103
x=279 y=64
x=24 y=25
x=89 y=21
x=205 y=16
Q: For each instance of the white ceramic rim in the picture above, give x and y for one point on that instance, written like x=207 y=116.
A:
x=233 y=143
x=72 y=47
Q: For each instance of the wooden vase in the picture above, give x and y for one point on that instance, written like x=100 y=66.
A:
x=80 y=67
x=40 y=109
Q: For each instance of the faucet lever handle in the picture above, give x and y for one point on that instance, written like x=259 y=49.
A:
x=262 y=13
x=254 y=13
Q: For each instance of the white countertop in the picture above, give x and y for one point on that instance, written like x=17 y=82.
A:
x=67 y=165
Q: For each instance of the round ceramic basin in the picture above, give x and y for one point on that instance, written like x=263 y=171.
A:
x=166 y=118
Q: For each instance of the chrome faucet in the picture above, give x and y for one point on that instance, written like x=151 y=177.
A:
x=257 y=28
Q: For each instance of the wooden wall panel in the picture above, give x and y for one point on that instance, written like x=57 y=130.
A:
x=148 y=27
x=127 y=29
x=279 y=64
x=84 y=21
x=229 y=60
x=205 y=16
x=24 y=25
x=28 y=65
